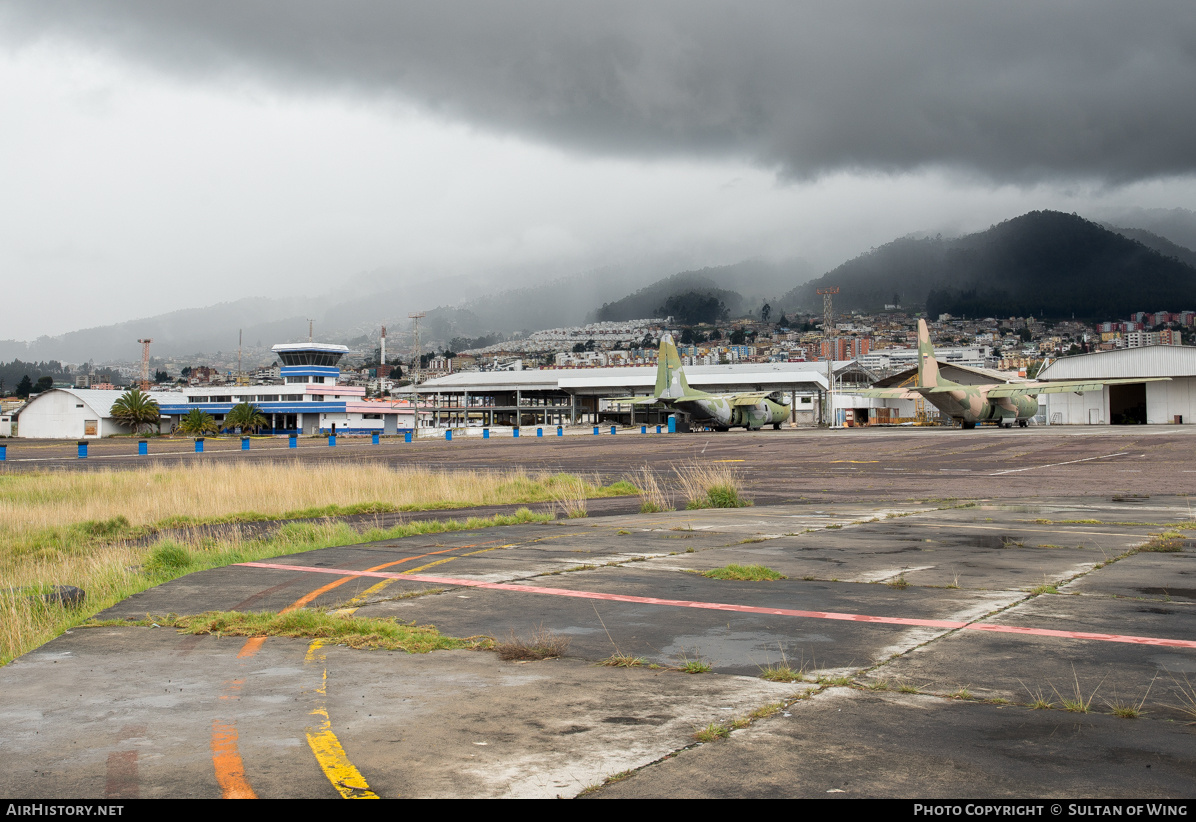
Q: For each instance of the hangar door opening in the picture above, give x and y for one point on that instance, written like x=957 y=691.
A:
x=1127 y=404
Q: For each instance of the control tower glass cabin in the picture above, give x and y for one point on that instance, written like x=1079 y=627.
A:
x=310 y=363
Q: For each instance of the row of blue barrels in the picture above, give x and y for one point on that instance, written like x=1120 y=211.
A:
x=293 y=439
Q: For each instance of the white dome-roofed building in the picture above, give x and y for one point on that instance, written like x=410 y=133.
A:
x=80 y=413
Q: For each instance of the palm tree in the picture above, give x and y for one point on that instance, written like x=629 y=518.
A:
x=246 y=416
x=136 y=410
x=197 y=423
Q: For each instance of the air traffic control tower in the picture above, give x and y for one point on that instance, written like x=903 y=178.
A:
x=310 y=363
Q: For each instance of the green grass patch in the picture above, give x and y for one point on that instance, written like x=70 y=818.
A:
x=757 y=573
x=123 y=570
x=361 y=633
x=719 y=496
x=712 y=733
x=1168 y=542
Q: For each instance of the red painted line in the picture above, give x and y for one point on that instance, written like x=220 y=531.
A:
x=744 y=609
x=121 y=782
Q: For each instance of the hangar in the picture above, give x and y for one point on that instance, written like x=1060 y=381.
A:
x=569 y=396
x=1153 y=403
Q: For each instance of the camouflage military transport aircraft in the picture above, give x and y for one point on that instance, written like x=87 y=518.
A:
x=749 y=410
x=1003 y=403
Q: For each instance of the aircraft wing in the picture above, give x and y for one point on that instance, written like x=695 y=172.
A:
x=1063 y=386
x=745 y=399
x=887 y=393
x=633 y=400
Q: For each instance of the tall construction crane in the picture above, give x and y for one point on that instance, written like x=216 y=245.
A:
x=145 y=344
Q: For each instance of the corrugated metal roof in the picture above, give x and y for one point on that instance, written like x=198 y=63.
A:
x=599 y=378
x=1148 y=361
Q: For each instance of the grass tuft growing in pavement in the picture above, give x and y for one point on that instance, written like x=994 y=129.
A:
x=754 y=573
x=542 y=643
x=621 y=660
x=710 y=486
x=1168 y=542
x=712 y=733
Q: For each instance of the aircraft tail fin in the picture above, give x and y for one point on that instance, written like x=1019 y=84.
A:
x=928 y=366
x=670 y=379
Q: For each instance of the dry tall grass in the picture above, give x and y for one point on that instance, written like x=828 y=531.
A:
x=166 y=495
x=653 y=498
x=79 y=528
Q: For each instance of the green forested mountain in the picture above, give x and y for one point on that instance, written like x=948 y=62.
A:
x=1043 y=263
x=682 y=289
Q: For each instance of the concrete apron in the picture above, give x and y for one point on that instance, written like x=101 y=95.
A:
x=121 y=712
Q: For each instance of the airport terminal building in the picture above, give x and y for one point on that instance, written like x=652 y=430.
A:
x=310 y=400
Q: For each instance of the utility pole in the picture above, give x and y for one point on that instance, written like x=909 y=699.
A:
x=828 y=332
x=310 y=325
x=415 y=368
x=145 y=344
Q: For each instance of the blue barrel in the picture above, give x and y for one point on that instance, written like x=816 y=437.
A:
x=332 y=440
x=613 y=429
x=595 y=430
x=658 y=429
x=374 y=437
x=643 y=429
x=560 y=432
x=199 y=445
x=244 y=443
x=448 y=435
x=485 y=433
x=672 y=423
x=3 y=453
x=82 y=449
x=293 y=441
x=406 y=436
x=515 y=431
x=539 y=432
x=142 y=448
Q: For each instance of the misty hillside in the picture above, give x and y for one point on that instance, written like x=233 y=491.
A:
x=1158 y=243
x=741 y=287
x=1043 y=263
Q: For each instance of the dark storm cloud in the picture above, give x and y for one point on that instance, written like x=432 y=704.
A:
x=1013 y=90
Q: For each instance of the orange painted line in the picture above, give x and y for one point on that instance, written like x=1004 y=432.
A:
x=745 y=609
x=226 y=758
x=308 y=598
x=251 y=647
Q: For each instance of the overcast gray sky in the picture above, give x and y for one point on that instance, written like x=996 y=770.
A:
x=157 y=155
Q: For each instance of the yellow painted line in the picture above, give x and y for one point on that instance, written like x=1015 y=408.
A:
x=226 y=758
x=328 y=750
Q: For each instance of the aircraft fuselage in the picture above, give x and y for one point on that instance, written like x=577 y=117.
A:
x=971 y=404
x=724 y=414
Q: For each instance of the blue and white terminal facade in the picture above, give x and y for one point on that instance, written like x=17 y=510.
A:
x=309 y=400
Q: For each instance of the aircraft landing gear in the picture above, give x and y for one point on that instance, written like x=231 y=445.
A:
x=1023 y=423
x=776 y=426
x=967 y=426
